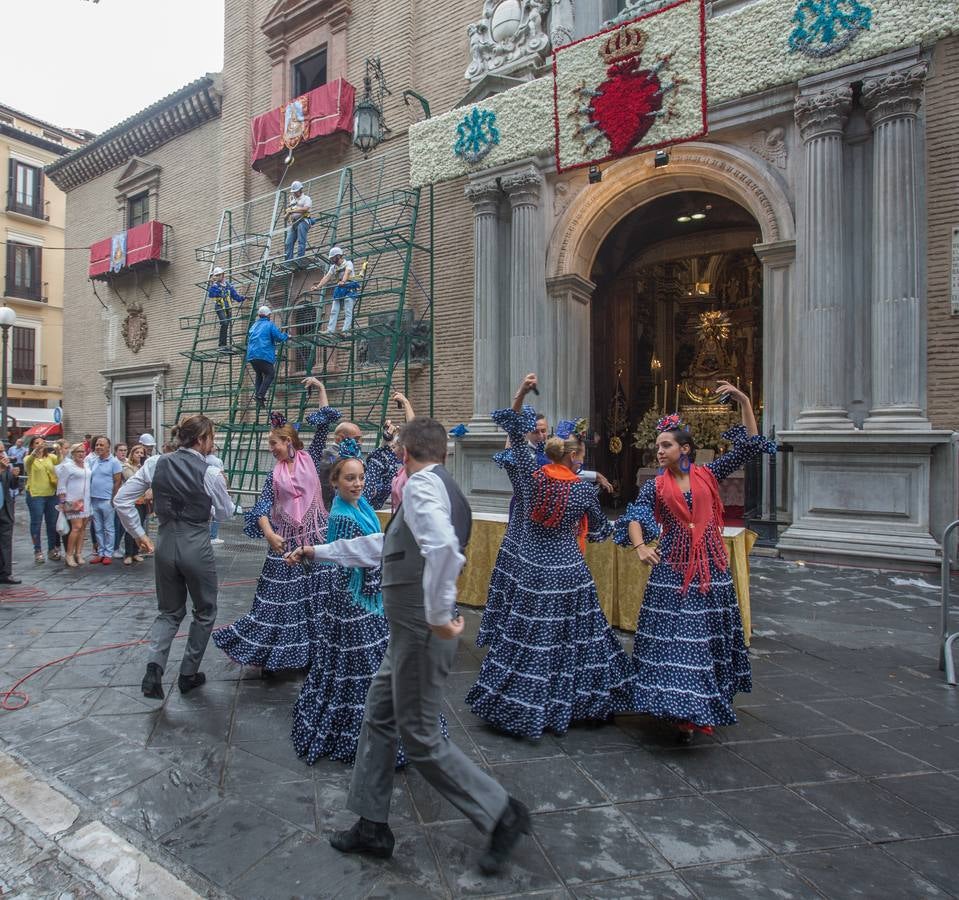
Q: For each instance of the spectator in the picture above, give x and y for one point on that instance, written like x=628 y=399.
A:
x=104 y=483
x=8 y=480
x=261 y=352
x=42 y=497
x=73 y=490
x=214 y=460
x=148 y=442
x=120 y=452
x=135 y=459
x=298 y=217
x=222 y=292
x=87 y=445
x=17 y=452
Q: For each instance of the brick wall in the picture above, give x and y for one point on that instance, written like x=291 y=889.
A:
x=942 y=161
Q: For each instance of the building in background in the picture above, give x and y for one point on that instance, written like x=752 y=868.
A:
x=32 y=220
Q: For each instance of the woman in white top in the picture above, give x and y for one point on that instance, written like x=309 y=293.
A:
x=73 y=491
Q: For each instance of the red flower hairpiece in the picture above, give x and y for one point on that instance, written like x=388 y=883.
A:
x=671 y=422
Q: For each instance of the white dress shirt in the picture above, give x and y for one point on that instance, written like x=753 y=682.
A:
x=426 y=511
x=139 y=483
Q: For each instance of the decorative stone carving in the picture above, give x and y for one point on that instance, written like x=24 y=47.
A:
x=509 y=39
x=560 y=22
x=134 y=328
x=108 y=389
x=771 y=146
x=822 y=114
x=636 y=8
x=894 y=96
x=523 y=187
x=562 y=197
x=158 y=385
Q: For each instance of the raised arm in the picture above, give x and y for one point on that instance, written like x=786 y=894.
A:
x=746 y=440
x=400 y=398
x=382 y=466
x=321 y=419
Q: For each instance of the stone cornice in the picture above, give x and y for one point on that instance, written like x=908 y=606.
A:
x=180 y=112
x=523 y=186
x=288 y=19
x=894 y=96
x=825 y=113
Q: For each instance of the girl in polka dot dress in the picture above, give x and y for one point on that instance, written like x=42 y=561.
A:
x=556 y=659
x=689 y=650
x=282 y=628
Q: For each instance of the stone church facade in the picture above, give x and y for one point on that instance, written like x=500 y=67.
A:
x=829 y=196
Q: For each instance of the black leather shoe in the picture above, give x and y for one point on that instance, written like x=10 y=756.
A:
x=10 y=581
x=186 y=683
x=514 y=822
x=373 y=838
x=152 y=684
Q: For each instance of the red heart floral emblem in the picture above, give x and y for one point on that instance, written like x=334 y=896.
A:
x=627 y=105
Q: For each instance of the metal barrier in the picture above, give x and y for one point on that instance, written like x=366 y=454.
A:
x=946 y=662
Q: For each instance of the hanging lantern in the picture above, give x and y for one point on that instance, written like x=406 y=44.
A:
x=369 y=128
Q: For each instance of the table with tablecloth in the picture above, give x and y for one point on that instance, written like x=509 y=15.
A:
x=620 y=576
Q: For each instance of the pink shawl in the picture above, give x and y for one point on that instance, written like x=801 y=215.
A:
x=299 y=516
x=396 y=489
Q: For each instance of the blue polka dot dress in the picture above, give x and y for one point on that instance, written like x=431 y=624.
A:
x=689 y=652
x=503 y=577
x=283 y=627
x=556 y=659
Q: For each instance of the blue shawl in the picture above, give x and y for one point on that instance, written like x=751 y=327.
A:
x=366 y=521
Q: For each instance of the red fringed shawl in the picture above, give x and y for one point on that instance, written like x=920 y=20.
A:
x=699 y=535
x=551 y=486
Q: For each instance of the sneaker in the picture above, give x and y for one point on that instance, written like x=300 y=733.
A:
x=107 y=560
x=374 y=838
x=514 y=822
x=216 y=541
x=118 y=554
x=152 y=684
x=187 y=683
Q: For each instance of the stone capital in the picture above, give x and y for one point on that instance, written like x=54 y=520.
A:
x=523 y=186
x=485 y=195
x=776 y=254
x=894 y=96
x=570 y=287
x=823 y=114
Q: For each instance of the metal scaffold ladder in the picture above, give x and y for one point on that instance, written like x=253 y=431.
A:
x=369 y=210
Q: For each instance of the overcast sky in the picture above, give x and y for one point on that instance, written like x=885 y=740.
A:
x=80 y=64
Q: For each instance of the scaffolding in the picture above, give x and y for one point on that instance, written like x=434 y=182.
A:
x=369 y=210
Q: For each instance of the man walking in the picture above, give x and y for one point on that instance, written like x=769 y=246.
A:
x=222 y=293
x=184 y=488
x=8 y=481
x=261 y=352
x=298 y=218
x=422 y=555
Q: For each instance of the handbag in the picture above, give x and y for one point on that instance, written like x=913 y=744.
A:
x=63 y=524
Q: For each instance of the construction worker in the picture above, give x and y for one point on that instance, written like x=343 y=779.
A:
x=261 y=352
x=341 y=271
x=298 y=218
x=222 y=293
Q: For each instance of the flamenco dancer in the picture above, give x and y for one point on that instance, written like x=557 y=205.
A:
x=283 y=627
x=689 y=650
x=329 y=711
x=556 y=659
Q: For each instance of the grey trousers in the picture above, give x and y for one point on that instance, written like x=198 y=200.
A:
x=405 y=700
x=184 y=563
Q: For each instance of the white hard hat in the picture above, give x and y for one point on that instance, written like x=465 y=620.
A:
x=148 y=440
x=296 y=186
x=264 y=311
x=217 y=270
x=336 y=251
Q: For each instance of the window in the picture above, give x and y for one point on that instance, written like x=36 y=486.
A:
x=23 y=355
x=23 y=271
x=25 y=189
x=138 y=209
x=309 y=73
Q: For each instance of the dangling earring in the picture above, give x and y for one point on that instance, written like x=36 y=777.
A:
x=684 y=463
x=661 y=470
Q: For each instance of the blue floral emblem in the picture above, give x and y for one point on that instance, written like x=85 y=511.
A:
x=477 y=134
x=826 y=27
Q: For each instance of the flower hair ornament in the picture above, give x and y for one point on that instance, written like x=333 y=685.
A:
x=349 y=448
x=568 y=428
x=671 y=422
x=277 y=420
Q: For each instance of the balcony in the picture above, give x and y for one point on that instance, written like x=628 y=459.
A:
x=325 y=111
x=145 y=246
x=28 y=376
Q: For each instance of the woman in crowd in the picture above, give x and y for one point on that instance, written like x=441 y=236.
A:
x=73 y=492
x=283 y=627
x=40 y=465
x=689 y=650
x=135 y=458
x=120 y=452
x=104 y=483
x=556 y=659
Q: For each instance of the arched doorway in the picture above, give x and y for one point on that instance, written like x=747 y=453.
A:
x=678 y=304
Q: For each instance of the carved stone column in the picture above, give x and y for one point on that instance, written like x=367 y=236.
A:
x=489 y=388
x=527 y=294
x=892 y=107
x=822 y=119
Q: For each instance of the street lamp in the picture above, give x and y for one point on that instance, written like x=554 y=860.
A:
x=369 y=129
x=7 y=320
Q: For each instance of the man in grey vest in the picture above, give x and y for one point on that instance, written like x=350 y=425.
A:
x=185 y=490
x=422 y=555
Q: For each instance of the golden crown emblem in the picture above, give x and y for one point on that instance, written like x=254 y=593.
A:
x=623 y=43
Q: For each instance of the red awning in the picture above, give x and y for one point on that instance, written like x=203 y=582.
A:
x=328 y=109
x=48 y=429
x=144 y=244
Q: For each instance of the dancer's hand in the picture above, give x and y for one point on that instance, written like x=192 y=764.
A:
x=648 y=554
x=312 y=382
x=603 y=482
x=530 y=383
x=145 y=544
x=452 y=629
x=730 y=390
x=295 y=557
x=276 y=542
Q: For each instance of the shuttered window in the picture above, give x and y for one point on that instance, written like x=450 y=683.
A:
x=25 y=189
x=23 y=272
x=23 y=355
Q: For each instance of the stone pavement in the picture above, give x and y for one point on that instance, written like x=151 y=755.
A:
x=839 y=781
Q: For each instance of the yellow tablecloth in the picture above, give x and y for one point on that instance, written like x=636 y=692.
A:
x=620 y=577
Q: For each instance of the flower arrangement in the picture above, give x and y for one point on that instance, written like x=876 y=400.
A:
x=706 y=426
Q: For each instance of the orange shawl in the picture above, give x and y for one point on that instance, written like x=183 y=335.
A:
x=551 y=488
